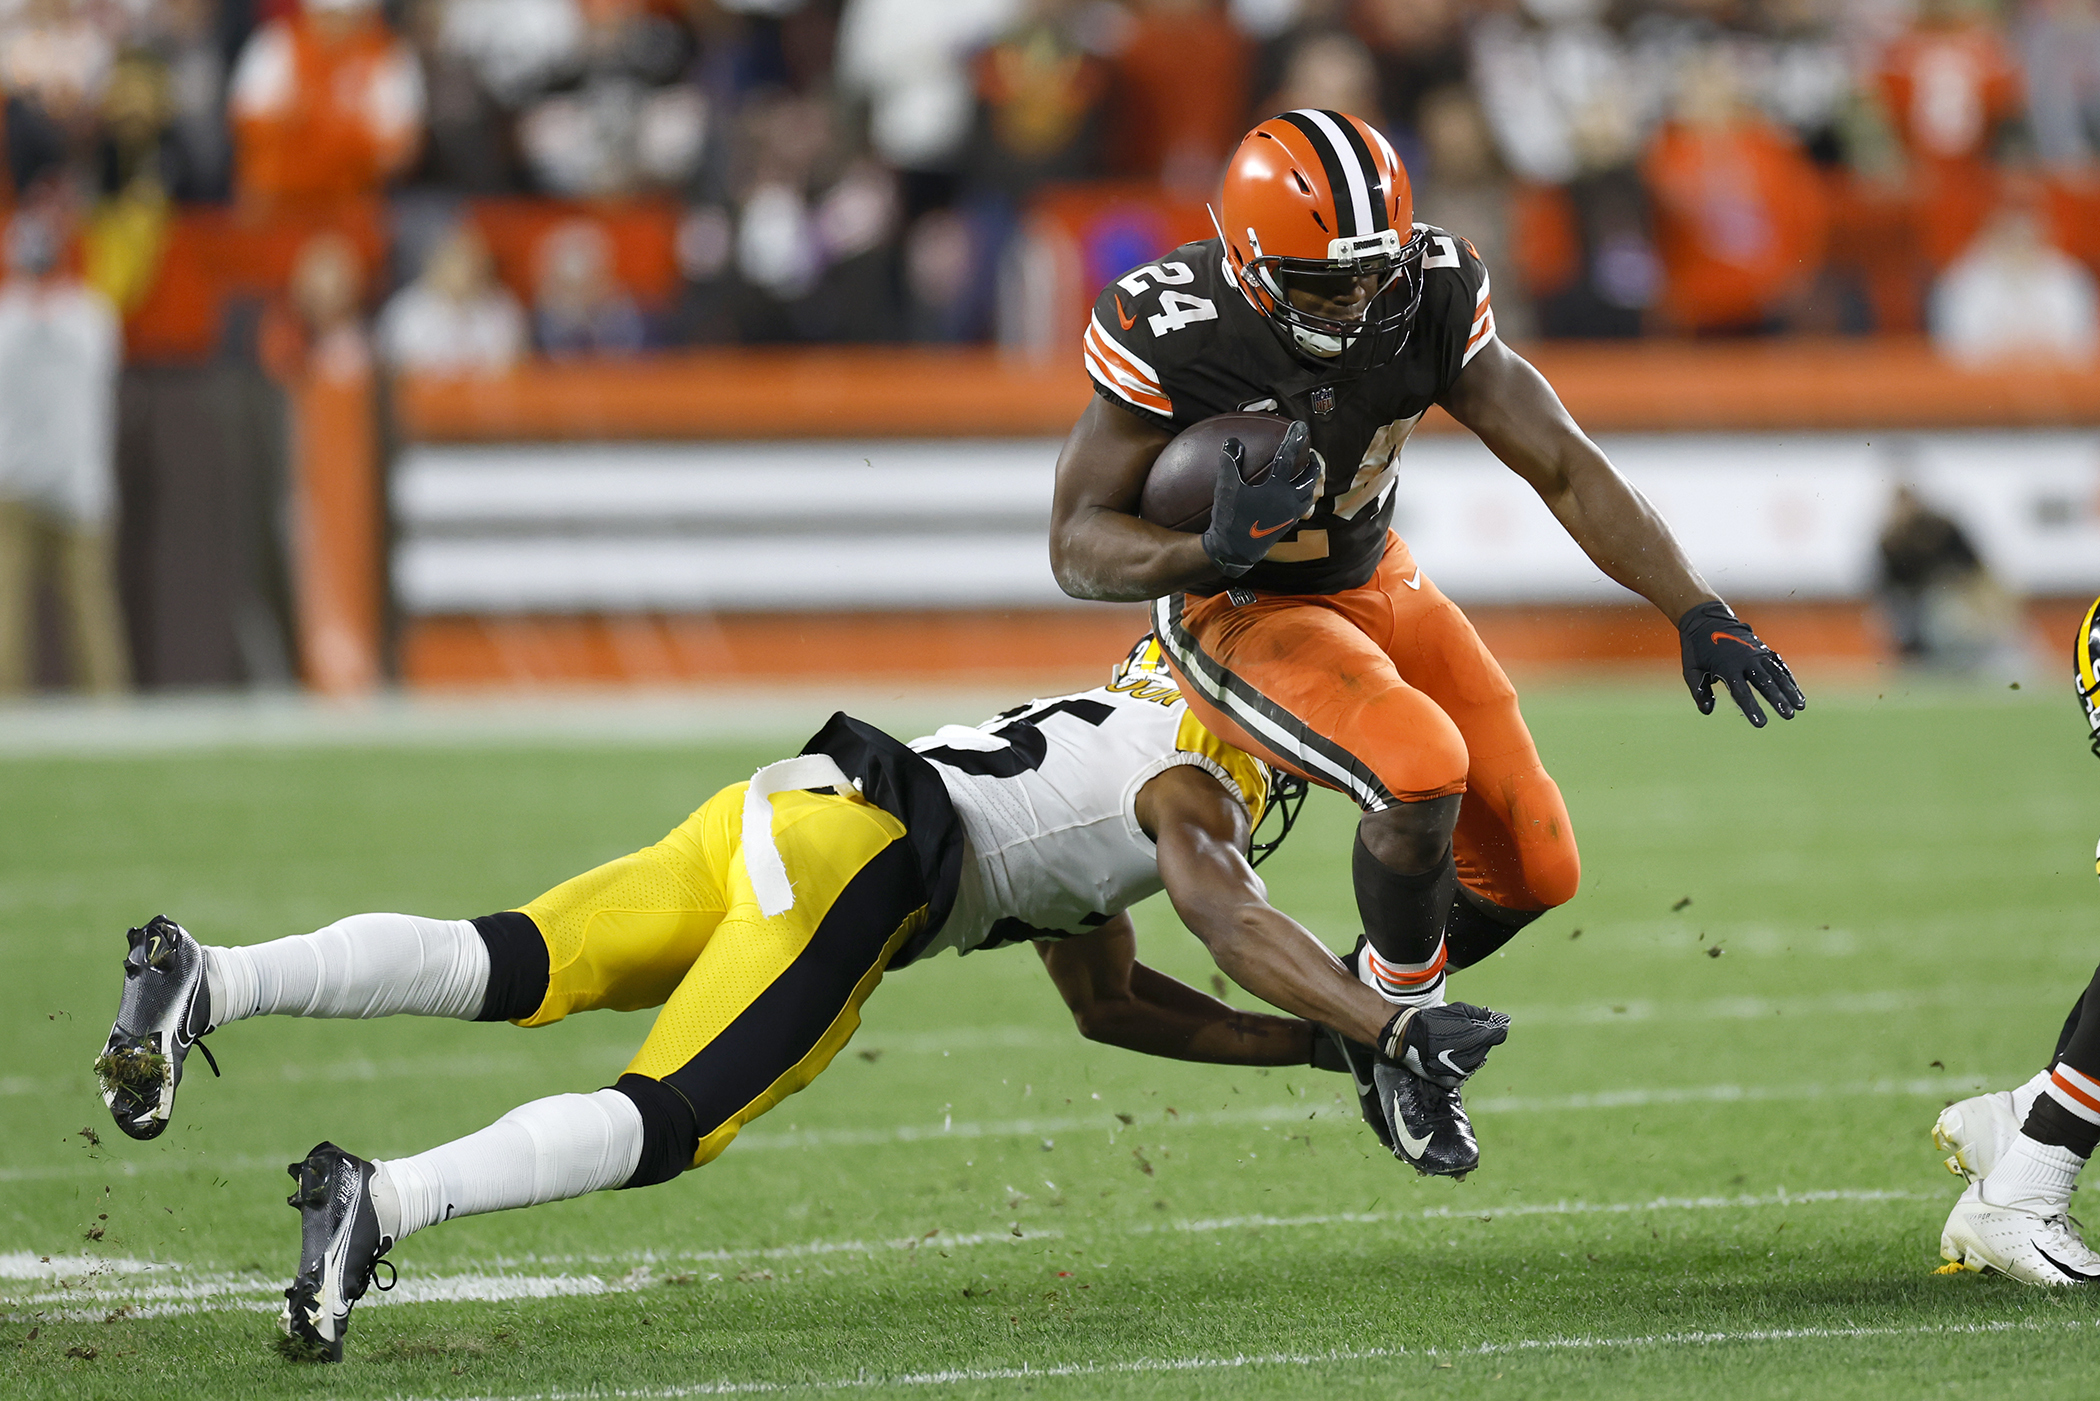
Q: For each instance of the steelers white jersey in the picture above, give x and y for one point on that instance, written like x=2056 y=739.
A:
x=1047 y=792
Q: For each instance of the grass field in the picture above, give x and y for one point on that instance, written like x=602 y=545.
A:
x=1701 y=1175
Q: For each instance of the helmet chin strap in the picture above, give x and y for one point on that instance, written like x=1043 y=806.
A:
x=1313 y=343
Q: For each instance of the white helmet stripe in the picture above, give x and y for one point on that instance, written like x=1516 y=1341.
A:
x=1361 y=181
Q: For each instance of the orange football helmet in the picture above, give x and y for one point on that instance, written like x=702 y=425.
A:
x=1317 y=199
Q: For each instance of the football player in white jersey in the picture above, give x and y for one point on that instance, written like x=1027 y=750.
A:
x=2021 y=1150
x=761 y=924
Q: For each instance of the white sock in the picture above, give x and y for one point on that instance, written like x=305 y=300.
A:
x=545 y=1151
x=2032 y=1176
x=364 y=966
x=2024 y=1096
x=1404 y=984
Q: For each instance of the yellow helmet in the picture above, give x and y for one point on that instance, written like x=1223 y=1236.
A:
x=2086 y=657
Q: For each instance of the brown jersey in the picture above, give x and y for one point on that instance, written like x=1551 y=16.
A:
x=1176 y=341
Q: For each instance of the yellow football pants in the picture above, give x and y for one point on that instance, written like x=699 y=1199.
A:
x=753 y=1008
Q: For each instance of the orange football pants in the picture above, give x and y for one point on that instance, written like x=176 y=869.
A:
x=1386 y=693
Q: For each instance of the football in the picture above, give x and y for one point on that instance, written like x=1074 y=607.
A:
x=1184 y=477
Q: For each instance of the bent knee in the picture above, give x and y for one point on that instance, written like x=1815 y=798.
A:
x=1557 y=883
x=1409 y=743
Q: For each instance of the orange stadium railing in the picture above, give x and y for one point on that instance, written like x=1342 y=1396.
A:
x=876 y=393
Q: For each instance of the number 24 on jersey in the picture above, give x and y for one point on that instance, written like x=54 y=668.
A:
x=1176 y=309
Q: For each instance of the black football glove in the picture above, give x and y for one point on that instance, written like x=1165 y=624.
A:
x=1718 y=646
x=1444 y=1044
x=1246 y=518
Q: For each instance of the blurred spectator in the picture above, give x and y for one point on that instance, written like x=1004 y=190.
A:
x=456 y=318
x=1420 y=48
x=1042 y=97
x=812 y=252
x=2013 y=298
x=59 y=350
x=196 y=154
x=319 y=329
x=1950 y=83
x=1741 y=216
x=128 y=227
x=1329 y=68
x=1181 y=94
x=2059 y=42
x=618 y=117
x=468 y=143
x=910 y=61
x=579 y=307
x=326 y=105
x=1942 y=606
x=54 y=62
x=1460 y=186
x=1537 y=80
x=1589 y=252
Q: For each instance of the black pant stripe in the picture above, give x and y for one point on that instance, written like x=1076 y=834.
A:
x=1262 y=717
x=784 y=1023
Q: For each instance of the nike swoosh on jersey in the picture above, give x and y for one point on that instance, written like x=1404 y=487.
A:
x=1414 y=1146
x=1123 y=316
x=1416 y=582
x=1258 y=531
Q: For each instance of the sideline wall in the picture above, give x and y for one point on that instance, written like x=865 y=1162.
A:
x=881 y=512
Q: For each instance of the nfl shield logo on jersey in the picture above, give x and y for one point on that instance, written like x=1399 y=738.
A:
x=1323 y=401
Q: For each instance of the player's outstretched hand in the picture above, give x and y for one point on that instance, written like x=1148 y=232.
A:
x=1246 y=518
x=1718 y=646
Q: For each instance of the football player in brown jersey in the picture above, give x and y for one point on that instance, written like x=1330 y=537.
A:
x=1322 y=647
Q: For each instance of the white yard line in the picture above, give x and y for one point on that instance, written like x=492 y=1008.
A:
x=1242 y=1361
x=1298 y=1111
x=85 y=1289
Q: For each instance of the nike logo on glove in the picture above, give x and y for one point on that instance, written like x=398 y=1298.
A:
x=1731 y=637
x=1123 y=316
x=1258 y=531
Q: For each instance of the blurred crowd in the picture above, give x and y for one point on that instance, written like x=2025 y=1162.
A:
x=469 y=181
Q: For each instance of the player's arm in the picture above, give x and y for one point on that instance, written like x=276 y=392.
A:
x=1099 y=548
x=1120 y=1002
x=1200 y=830
x=1509 y=404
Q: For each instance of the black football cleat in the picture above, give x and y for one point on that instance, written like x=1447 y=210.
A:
x=164 y=1012
x=1340 y=1053
x=1426 y=1054
x=1428 y=1127
x=339 y=1249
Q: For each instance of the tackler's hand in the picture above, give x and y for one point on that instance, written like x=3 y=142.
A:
x=1246 y=518
x=1718 y=646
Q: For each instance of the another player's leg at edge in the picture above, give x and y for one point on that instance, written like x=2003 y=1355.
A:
x=2021 y=1150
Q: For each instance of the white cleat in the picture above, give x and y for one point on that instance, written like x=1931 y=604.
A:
x=1974 y=1133
x=2018 y=1244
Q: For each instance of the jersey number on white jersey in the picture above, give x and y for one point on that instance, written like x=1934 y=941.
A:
x=1025 y=745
